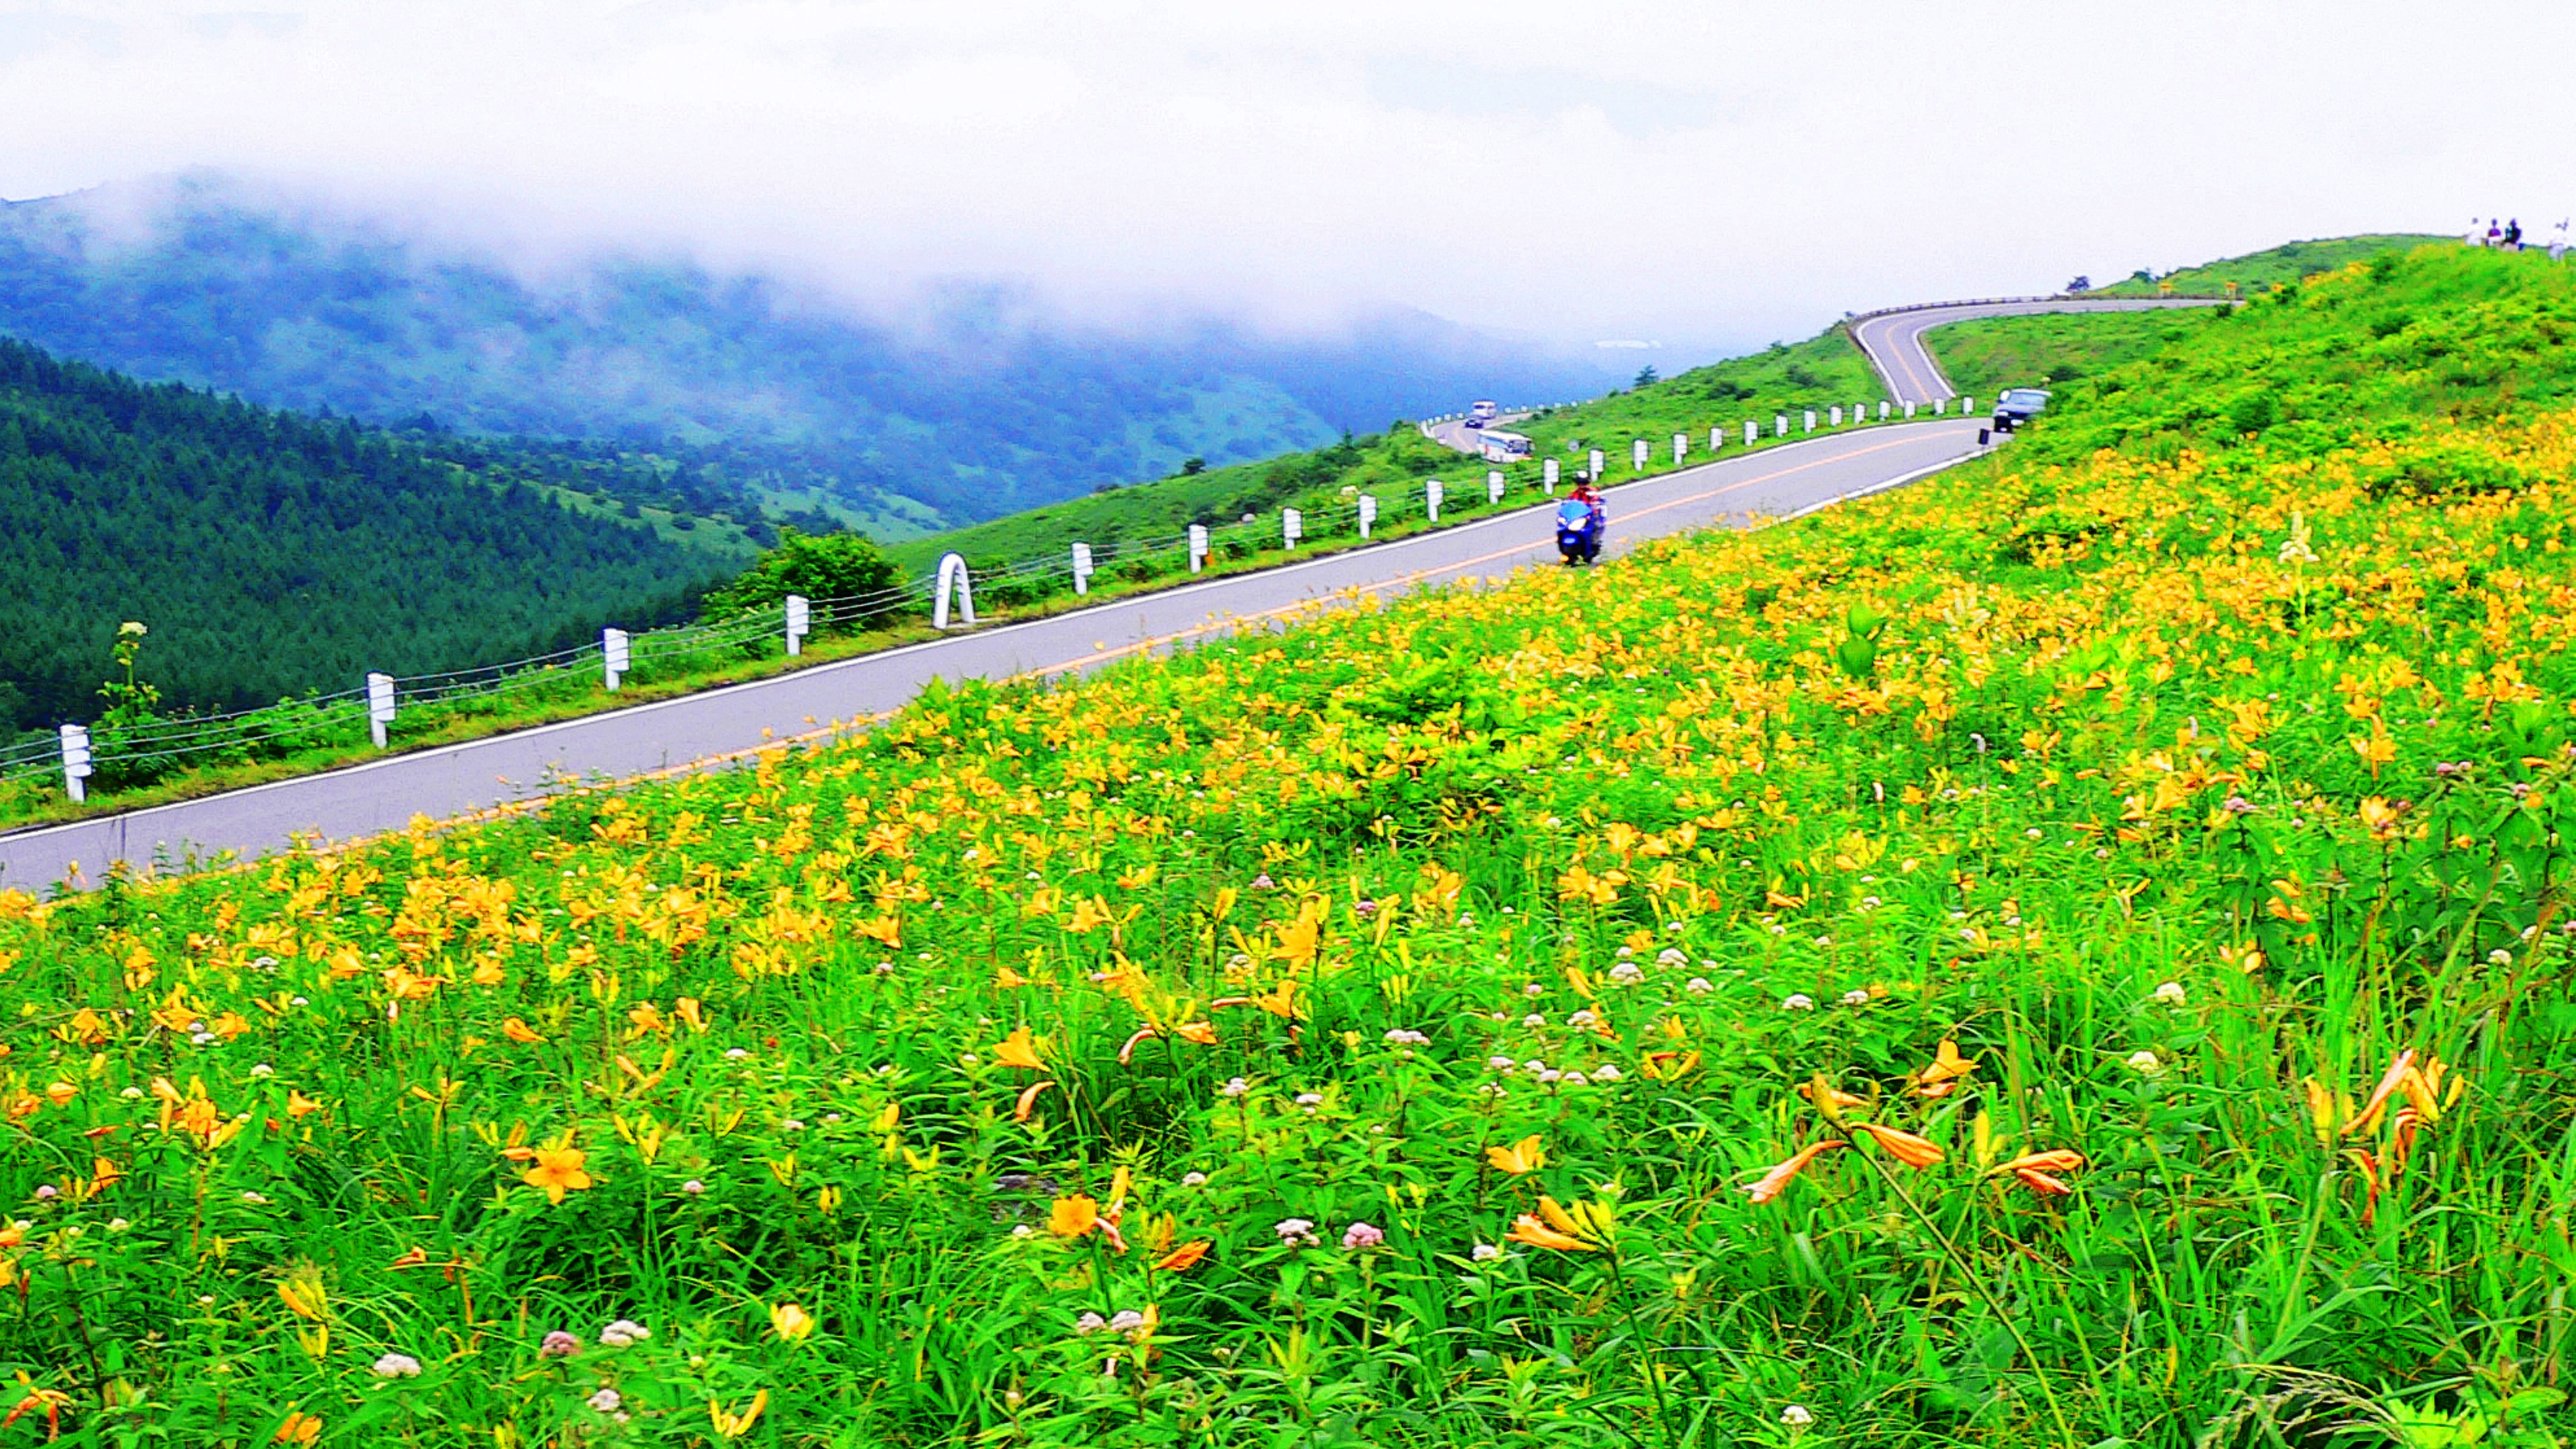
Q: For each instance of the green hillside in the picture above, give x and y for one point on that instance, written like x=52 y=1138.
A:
x=271 y=554
x=2257 y=271
x=2074 y=952
x=981 y=402
x=1817 y=373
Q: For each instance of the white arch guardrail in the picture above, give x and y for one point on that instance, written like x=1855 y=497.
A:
x=74 y=754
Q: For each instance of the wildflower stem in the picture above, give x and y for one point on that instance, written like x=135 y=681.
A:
x=1959 y=1265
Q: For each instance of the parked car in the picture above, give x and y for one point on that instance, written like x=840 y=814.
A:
x=2017 y=406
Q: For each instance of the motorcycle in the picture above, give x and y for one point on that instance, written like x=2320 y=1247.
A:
x=1579 y=526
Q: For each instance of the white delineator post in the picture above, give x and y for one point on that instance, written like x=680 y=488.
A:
x=1752 y=432
x=1596 y=465
x=1811 y=420
x=1967 y=405
x=1717 y=440
x=1882 y=410
x=1547 y=476
x=1780 y=426
x=1292 y=526
x=1431 y=496
x=1368 y=513
x=800 y=622
x=1681 y=447
x=1198 y=547
x=1836 y=417
x=1493 y=487
x=76 y=761
x=1082 y=568
x=952 y=574
x=380 y=706
x=614 y=656
x=1938 y=404
x=1909 y=410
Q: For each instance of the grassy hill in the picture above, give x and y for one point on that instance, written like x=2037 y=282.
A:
x=2072 y=952
x=1816 y=373
x=271 y=554
x=2259 y=271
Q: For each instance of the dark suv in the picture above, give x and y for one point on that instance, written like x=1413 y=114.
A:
x=2017 y=406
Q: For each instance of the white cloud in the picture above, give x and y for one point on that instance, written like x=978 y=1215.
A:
x=1704 y=173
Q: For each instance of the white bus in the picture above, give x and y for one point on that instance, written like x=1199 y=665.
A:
x=1499 y=446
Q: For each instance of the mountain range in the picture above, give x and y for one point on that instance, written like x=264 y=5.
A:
x=777 y=394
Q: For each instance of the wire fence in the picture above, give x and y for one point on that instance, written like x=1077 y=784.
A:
x=124 y=755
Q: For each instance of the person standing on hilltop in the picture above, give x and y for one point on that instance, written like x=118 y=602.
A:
x=2513 y=234
x=2495 y=233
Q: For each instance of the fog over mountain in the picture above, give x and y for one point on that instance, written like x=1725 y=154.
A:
x=971 y=399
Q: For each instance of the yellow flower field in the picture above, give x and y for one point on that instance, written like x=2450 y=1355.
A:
x=2074 y=952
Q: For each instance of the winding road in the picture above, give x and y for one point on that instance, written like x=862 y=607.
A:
x=1892 y=340
x=706 y=729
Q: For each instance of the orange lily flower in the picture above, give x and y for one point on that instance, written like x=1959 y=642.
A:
x=1524 y=1156
x=299 y=1105
x=1018 y=1050
x=1183 y=1258
x=791 y=1322
x=1777 y=1179
x=1905 y=1147
x=2390 y=1082
x=731 y=1425
x=2041 y=1183
x=2055 y=1160
x=1948 y=1067
x=1127 y=1053
x=1201 y=1032
x=299 y=1428
x=519 y=1031
x=1823 y=1095
x=1029 y=1101
x=1528 y=1229
x=1071 y=1217
x=558 y=1170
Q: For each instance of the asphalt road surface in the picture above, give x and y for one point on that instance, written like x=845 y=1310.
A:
x=1893 y=341
x=1456 y=434
x=459 y=779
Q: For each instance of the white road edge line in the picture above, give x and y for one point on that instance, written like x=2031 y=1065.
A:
x=125 y=820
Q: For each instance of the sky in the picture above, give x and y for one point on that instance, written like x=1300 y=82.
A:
x=1703 y=174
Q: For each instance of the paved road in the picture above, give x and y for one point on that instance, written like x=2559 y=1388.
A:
x=382 y=796
x=1893 y=341
x=1456 y=434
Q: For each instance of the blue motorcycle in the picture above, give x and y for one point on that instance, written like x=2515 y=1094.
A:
x=1579 y=526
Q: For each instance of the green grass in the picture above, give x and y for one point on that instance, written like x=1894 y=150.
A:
x=2259 y=271
x=1418 y=991
x=1983 y=357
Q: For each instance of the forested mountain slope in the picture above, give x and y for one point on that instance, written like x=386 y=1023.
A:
x=984 y=407
x=271 y=553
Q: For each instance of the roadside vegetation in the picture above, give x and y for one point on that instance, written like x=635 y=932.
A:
x=2259 y=271
x=2075 y=952
x=1983 y=357
x=1021 y=563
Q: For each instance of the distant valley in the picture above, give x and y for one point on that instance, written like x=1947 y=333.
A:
x=755 y=395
